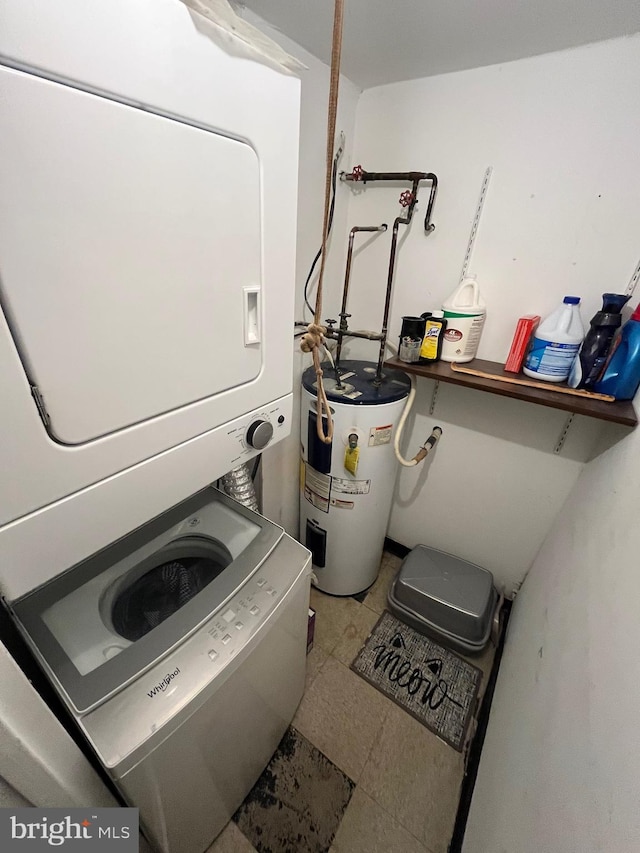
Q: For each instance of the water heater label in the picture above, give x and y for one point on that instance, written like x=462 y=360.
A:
x=380 y=435
x=351 y=487
x=317 y=488
x=338 y=504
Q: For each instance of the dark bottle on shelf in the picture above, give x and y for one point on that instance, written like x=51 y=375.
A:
x=411 y=335
x=591 y=358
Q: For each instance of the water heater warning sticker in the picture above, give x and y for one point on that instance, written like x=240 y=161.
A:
x=380 y=435
x=317 y=488
x=338 y=504
x=351 y=487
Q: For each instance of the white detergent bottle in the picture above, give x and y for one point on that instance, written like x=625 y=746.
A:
x=556 y=342
x=465 y=314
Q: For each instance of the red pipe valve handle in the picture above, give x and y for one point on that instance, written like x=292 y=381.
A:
x=357 y=173
x=406 y=198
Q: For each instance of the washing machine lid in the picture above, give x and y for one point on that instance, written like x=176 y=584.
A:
x=104 y=622
x=130 y=257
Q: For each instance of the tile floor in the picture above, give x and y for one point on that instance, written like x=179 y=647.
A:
x=407 y=780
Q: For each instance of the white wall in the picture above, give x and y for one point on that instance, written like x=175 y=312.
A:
x=561 y=216
x=559 y=769
x=39 y=762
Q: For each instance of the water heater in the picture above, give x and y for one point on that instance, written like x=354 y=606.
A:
x=346 y=487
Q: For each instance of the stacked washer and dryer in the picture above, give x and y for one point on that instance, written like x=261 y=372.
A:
x=148 y=185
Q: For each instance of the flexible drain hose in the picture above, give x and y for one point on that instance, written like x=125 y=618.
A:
x=429 y=444
x=436 y=432
x=239 y=486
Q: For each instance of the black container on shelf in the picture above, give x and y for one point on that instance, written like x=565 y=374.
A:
x=411 y=336
x=593 y=352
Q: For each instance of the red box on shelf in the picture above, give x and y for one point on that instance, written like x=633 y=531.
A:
x=525 y=328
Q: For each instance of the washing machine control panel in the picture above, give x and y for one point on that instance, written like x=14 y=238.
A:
x=154 y=698
x=234 y=626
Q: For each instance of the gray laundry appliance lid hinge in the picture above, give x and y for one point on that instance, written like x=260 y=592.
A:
x=39 y=401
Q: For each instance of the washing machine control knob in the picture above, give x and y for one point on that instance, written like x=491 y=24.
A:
x=259 y=434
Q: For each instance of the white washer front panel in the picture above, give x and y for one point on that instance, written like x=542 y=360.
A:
x=126 y=247
x=191 y=774
x=132 y=717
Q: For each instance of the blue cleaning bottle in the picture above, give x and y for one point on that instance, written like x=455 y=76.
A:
x=621 y=374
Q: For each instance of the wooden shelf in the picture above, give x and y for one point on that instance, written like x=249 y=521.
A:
x=616 y=412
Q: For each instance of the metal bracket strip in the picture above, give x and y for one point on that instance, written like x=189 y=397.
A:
x=434 y=394
x=563 y=433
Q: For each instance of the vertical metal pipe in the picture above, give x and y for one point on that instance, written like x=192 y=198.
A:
x=400 y=220
x=345 y=293
x=347 y=279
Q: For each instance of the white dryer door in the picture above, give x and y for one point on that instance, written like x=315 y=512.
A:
x=130 y=257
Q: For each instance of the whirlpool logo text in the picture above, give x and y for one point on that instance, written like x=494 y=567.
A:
x=160 y=688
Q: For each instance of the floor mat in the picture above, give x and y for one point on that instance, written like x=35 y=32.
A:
x=433 y=684
x=297 y=803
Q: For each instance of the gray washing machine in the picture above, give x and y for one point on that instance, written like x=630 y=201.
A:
x=180 y=652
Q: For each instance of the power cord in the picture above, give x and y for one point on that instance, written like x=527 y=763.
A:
x=334 y=177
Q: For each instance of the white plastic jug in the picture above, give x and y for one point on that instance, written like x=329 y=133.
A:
x=556 y=343
x=465 y=313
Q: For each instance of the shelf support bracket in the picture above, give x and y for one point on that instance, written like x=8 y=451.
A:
x=564 y=433
x=434 y=394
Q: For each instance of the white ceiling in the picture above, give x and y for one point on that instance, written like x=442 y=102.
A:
x=389 y=40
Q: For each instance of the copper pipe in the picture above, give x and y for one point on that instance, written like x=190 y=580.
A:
x=360 y=175
x=414 y=177
x=347 y=278
x=400 y=220
x=388 y=176
x=367 y=336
